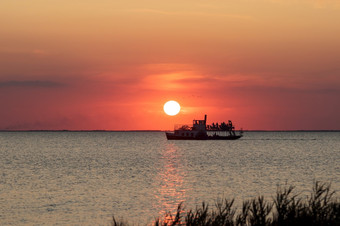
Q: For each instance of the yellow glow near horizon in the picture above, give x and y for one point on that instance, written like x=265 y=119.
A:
x=171 y=108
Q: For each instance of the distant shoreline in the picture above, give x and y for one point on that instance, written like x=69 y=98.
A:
x=160 y=130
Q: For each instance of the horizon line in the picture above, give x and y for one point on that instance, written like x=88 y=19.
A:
x=99 y=130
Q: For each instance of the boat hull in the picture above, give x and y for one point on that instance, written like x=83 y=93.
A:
x=171 y=136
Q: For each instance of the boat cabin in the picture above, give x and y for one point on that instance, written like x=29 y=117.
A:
x=199 y=125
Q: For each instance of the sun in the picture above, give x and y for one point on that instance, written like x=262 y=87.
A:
x=171 y=108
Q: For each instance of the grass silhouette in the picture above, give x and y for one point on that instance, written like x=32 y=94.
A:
x=286 y=208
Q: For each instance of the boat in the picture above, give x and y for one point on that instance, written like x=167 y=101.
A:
x=201 y=131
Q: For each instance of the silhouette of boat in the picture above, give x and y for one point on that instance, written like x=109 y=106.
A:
x=201 y=131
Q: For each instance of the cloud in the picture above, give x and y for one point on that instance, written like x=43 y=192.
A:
x=189 y=13
x=32 y=83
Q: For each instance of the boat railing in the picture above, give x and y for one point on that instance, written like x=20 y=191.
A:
x=183 y=127
x=222 y=127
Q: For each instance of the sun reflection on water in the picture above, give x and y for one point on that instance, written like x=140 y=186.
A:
x=171 y=185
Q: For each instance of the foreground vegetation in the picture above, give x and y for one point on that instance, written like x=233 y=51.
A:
x=286 y=208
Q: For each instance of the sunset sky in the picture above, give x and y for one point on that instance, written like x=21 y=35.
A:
x=108 y=64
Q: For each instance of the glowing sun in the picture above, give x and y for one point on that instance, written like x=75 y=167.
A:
x=171 y=107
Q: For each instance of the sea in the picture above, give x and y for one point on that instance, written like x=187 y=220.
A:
x=85 y=178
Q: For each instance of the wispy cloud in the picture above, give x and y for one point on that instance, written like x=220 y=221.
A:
x=187 y=13
x=31 y=83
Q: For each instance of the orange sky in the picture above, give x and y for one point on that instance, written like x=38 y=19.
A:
x=85 y=64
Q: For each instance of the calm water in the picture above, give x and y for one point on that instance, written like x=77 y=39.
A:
x=82 y=178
